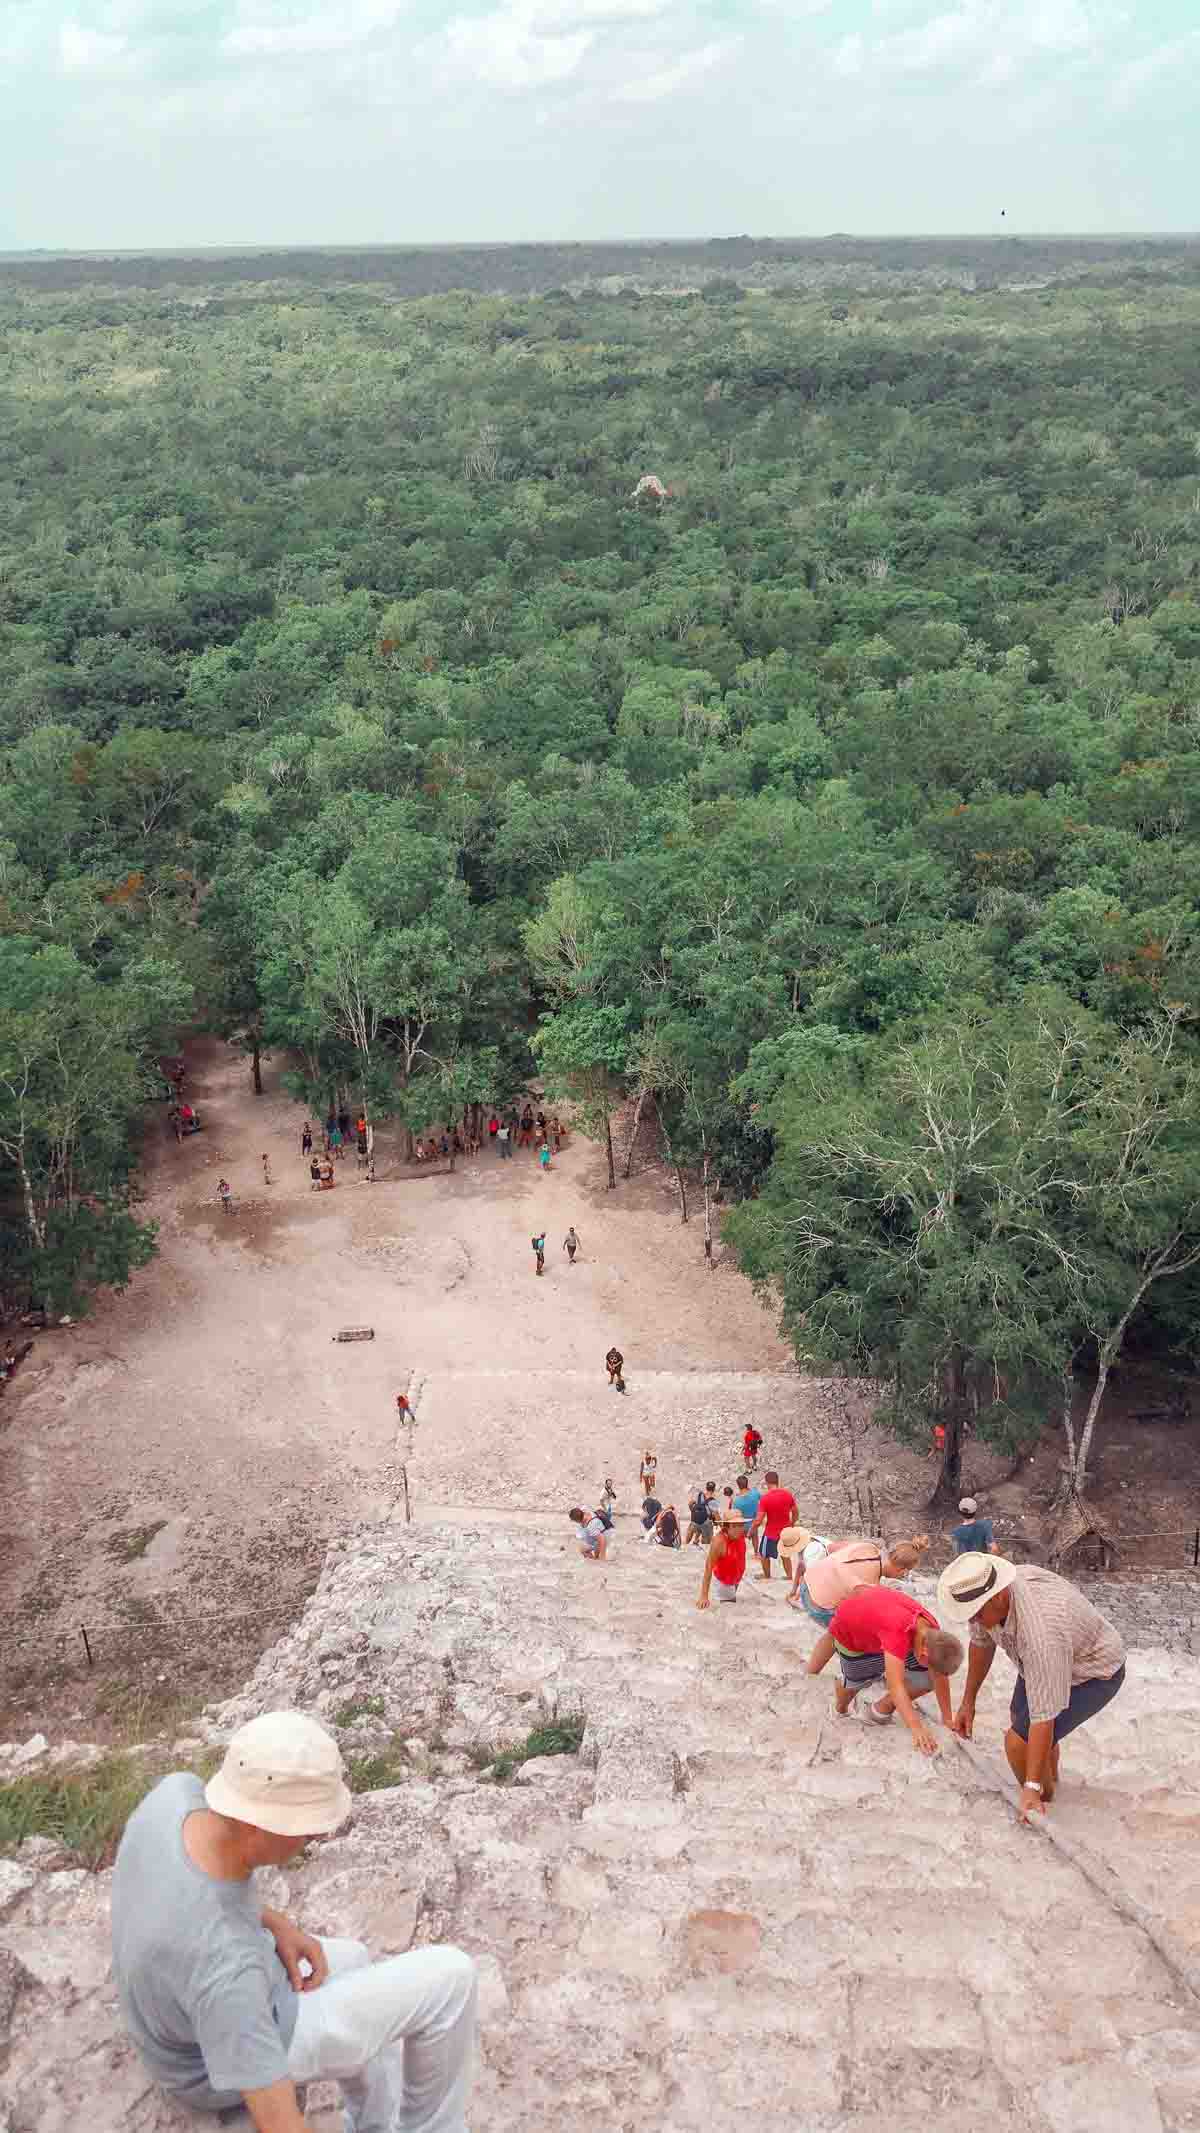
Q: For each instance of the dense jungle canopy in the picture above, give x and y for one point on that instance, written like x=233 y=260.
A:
x=846 y=800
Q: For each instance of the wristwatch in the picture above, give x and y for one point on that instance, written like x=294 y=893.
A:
x=1031 y=1785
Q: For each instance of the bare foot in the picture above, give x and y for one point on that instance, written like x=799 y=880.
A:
x=843 y=1698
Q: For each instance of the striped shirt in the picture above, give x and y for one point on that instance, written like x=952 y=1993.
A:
x=1055 y=1638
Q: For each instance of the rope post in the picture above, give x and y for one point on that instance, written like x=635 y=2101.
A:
x=87 y=1647
x=1196 y=1550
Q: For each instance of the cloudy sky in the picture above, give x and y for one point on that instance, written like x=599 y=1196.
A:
x=164 y=122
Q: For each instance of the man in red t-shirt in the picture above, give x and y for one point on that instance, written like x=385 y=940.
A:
x=777 y=1508
x=885 y=1635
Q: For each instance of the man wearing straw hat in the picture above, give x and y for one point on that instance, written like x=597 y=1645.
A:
x=231 y=2004
x=1070 y=1661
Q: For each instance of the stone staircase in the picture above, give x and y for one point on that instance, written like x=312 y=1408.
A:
x=729 y=1902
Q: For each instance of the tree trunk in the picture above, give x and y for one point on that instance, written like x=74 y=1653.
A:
x=637 y=1120
x=683 y=1206
x=612 y=1174
x=36 y=1229
x=256 y=1067
x=707 y=1212
x=952 y=1414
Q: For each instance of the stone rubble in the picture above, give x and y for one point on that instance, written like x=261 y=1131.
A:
x=728 y=1902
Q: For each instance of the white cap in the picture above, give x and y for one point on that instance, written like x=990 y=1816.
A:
x=969 y=1505
x=282 y=1772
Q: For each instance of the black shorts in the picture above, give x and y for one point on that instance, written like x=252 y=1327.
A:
x=1087 y=1697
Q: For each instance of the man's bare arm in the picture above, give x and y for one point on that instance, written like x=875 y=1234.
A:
x=277 y=2109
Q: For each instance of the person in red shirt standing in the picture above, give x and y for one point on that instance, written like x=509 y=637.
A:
x=751 y=1446
x=726 y=1559
x=777 y=1508
x=889 y=1636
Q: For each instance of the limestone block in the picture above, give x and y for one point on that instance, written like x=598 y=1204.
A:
x=897 y=2021
x=361 y=1904
x=15 y=1882
x=1101 y=2094
x=724 y=1941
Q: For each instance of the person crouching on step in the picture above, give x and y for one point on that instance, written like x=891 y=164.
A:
x=593 y=1538
x=884 y=1635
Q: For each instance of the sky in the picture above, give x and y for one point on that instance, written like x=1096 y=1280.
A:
x=131 y=123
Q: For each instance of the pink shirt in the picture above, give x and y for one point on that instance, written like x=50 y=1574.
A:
x=841 y=1572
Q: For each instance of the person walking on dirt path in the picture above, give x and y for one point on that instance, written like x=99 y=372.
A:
x=751 y=1446
x=539 y=1252
x=614 y=1363
x=890 y=1637
x=702 y=1515
x=648 y=1472
x=544 y=1157
x=556 y=1134
x=267 y=1178
x=225 y=1195
x=404 y=1413
x=593 y=1539
x=977 y=1536
x=526 y=1127
x=608 y=1494
x=650 y=1510
x=504 y=1140
x=493 y=1128
x=846 y=1565
x=314 y=1171
x=571 y=1245
x=777 y=1508
x=306 y=1139
x=330 y=1123
x=666 y=1528
x=335 y=1141
x=747 y=1502
x=726 y=1560
x=1070 y=1660
x=211 y=1985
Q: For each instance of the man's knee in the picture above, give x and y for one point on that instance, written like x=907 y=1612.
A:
x=454 y=1979
x=345 y=1955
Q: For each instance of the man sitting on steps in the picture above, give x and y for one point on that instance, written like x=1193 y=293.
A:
x=230 y=2004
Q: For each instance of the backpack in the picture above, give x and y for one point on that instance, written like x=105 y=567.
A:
x=605 y=1516
x=698 y=1510
x=668 y=1532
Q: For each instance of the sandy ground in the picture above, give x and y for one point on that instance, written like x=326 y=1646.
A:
x=173 y=1468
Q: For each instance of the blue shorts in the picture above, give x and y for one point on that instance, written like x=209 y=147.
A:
x=822 y=1616
x=1087 y=1697
x=769 y=1549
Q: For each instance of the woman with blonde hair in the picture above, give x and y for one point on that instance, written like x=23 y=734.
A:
x=846 y=1566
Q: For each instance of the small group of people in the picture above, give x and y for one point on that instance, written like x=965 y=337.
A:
x=526 y=1129
x=1069 y=1659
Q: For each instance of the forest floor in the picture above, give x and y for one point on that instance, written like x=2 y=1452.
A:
x=174 y=1468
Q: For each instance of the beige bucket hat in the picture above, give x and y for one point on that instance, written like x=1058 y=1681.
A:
x=969 y=1582
x=282 y=1772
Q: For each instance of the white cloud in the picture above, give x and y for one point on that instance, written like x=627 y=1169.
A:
x=84 y=51
x=848 y=56
x=1181 y=56
x=279 y=34
x=665 y=81
x=987 y=40
x=507 y=49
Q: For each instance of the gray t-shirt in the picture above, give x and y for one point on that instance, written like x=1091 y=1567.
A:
x=204 y=1995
